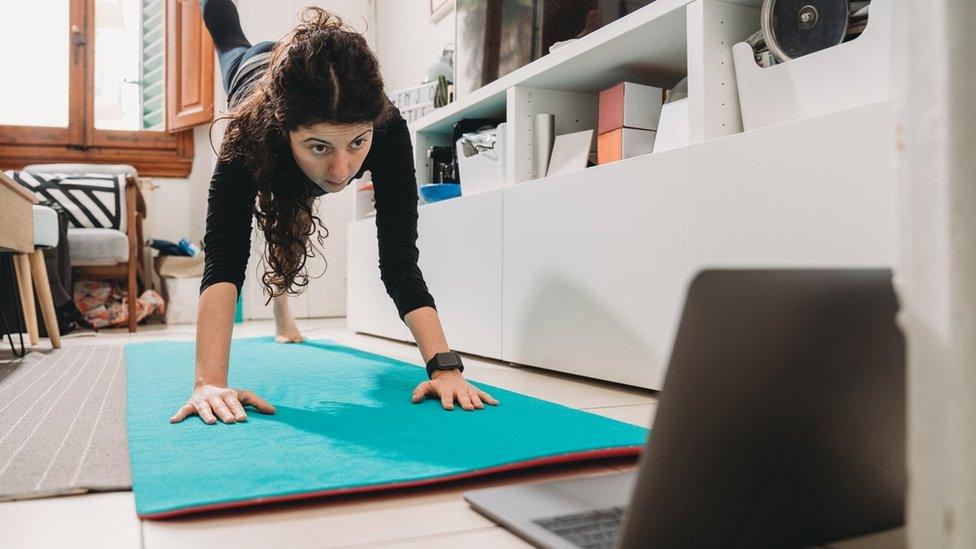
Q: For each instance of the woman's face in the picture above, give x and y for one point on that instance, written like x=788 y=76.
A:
x=331 y=154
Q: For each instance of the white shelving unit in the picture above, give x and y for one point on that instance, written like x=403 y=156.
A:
x=461 y=258
x=586 y=272
x=790 y=91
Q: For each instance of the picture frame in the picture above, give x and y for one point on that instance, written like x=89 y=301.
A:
x=437 y=9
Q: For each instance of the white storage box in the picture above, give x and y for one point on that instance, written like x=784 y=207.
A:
x=485 y=171
x=842 y=77
x=624 y=143
x=414 y=103
x=630 y=105
x=183 y=297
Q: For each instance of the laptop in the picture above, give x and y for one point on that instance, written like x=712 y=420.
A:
x=781 y=424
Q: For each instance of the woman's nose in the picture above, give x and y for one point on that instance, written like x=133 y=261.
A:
x=339 y=170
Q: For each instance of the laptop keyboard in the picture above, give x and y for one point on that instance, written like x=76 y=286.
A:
x=591 y=530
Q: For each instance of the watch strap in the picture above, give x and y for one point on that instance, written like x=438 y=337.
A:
x=445 y=361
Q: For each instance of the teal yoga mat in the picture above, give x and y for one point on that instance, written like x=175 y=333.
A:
x=345 y=424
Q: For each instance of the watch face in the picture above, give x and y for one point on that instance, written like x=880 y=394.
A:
x=447 y=360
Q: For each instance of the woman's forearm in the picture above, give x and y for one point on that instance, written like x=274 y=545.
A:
x=215 y=324
x=425 y=326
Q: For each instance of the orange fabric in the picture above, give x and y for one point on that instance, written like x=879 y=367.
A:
x=106 y=304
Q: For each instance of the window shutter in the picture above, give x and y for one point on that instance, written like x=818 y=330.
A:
x=189 y=67
x=153 y=52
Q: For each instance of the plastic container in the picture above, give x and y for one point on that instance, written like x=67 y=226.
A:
x=436 y=192
x=183 y=298
x=844 y=76
x=484 y=171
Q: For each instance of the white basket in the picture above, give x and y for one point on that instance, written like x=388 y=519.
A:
x=183 y=296
x=845 y=76
x=415 y=103
x=485 y=171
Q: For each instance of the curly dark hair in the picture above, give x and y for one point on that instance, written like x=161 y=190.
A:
x=323 y=71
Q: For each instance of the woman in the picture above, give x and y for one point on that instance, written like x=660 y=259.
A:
x=308 y=115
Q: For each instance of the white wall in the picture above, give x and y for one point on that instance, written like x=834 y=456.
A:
x=272 y=20
x=178 y=206
x=407 y=42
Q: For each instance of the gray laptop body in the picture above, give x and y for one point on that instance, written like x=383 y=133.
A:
x=781 y=424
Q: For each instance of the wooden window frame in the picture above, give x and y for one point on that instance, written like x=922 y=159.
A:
x=152 y=153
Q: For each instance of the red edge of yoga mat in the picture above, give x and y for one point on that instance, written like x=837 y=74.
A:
x=521 y=465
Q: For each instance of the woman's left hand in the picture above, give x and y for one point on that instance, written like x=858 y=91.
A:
x=450 y=386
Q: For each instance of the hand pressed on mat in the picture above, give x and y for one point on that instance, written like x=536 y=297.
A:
x=211 y=402
x=449 y=386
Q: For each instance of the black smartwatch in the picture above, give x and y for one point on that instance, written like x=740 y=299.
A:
x=444 y=361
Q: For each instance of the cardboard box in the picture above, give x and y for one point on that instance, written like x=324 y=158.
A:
x=624 y=143
x=177 y=266
x=630 y=105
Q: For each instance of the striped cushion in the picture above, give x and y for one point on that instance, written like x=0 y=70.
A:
x=91 y=201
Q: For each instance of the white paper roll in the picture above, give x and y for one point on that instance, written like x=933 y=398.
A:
x=543 y=135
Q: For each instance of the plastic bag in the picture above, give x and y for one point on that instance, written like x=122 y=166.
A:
x=106 y=304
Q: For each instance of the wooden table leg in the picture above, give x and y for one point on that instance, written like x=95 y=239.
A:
x=133 y=295
x=43 y=287
x=22 y=267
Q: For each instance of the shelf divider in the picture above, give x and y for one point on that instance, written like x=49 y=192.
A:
x=574 y=112
x=713 y=98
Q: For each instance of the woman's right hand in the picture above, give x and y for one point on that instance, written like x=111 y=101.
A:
x=211 y=402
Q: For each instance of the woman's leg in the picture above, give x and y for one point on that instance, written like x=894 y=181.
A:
x=286 y=331
x=224 y=24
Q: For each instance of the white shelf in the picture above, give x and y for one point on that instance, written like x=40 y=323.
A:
x=649 y=42
x=462 y=268
x=656 y=45
x=854 y=73
x=594 y=264
x=648 y=46
x=369 y=309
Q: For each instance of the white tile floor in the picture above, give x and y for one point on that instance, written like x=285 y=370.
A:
x=412 y=518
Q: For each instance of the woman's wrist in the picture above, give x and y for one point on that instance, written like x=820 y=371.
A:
x=445 y=373
x=202 y=382
x=210 y=379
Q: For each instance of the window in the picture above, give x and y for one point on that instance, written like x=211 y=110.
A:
x=111 y=81
x=129 y=64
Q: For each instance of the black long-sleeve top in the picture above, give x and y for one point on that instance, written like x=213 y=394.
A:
x=231 y=203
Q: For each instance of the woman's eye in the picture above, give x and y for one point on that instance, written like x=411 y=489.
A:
x=358 y=144
x=319 y=149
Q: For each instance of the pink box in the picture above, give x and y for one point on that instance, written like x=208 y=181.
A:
x=630 y=105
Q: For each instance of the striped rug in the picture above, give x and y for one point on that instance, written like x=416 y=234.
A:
x=62 y=422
